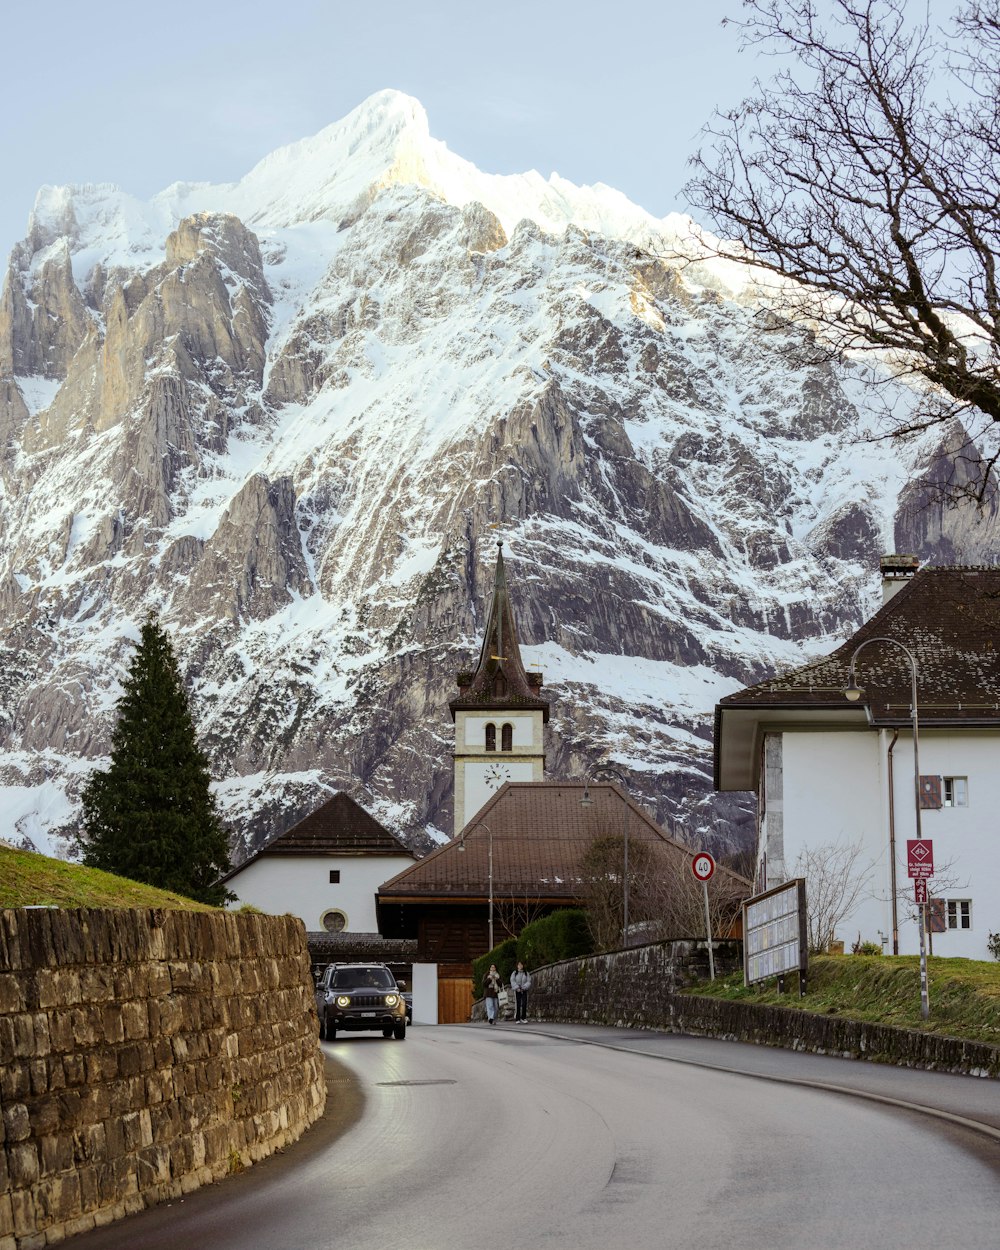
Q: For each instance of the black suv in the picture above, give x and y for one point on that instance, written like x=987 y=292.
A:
x=356 y=997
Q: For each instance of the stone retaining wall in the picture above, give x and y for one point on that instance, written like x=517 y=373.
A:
x=142 y=1054
x=639 y=989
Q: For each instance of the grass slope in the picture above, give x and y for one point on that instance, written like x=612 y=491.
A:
x=964 y=994
x=30 y=880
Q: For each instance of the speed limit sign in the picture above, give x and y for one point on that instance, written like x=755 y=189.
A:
x=703 y=865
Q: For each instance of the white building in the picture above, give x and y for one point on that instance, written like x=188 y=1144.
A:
x=831 y=775
x=325 y=870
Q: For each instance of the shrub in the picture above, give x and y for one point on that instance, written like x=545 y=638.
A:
x=865 y=948
x=993 y=945
x=564 y=934
x=504 y=956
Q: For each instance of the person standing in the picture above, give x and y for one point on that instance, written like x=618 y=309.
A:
x=520 y=983
x=492 y=985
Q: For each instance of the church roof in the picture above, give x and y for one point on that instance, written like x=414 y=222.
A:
x=499 y=680
x=540 y=832
x=339 y=827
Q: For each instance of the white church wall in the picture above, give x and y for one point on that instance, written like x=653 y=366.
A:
x=300 y=885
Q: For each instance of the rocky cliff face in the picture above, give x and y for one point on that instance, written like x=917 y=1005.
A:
x=293 y=415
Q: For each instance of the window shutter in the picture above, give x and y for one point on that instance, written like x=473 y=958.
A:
x=930 y=792
x=935 y=913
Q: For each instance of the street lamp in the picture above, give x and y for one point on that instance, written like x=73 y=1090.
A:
x=481 y=824
x=853 y=693
x=587 y=801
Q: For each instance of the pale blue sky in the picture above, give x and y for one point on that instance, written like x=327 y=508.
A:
x=116 y=91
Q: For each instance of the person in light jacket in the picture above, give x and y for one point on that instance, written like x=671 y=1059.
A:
x=520 y=983
x=492 y=985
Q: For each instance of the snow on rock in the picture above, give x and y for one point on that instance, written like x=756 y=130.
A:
x=293 y=413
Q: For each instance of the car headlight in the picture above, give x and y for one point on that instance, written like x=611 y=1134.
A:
x=343 y=1000
x=391 y=1000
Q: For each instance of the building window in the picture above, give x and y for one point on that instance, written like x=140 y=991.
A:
x=491 y=737
x=334 y=876
x=958 y=912
x=499 y=687
x=956 y=793
x=334 y=921
x=507 y=738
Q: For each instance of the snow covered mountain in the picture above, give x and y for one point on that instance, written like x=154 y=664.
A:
x=293 y=414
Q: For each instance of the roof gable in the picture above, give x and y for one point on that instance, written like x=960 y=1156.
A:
x=339 y=827
x=948 y=618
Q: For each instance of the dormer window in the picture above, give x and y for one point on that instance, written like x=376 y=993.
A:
x=499 y=686
x=507 y=738
x=491 y=737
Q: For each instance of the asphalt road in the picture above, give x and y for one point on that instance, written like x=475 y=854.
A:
x=516 y=1138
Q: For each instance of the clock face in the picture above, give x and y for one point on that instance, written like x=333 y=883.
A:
x=496 y=775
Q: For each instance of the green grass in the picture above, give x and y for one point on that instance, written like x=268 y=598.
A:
x=27 y=879
x=964 y=994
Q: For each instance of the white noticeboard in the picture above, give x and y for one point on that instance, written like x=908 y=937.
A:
x=774 y=932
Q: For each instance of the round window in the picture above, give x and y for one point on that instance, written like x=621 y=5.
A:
x=334 y=921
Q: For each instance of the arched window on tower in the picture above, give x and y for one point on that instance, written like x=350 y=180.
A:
x=499 y=686
x=491 y=737
x=507 y=738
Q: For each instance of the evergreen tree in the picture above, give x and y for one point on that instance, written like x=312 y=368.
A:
x=151 y=815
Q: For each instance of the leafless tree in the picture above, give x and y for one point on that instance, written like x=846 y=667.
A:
x=868 y=172
x=837 y=878
x=665 y=900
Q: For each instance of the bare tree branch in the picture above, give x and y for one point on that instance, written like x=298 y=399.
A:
x=868 y=174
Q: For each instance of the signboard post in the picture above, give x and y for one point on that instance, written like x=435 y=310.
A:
x=703 y=866
x=774 y=934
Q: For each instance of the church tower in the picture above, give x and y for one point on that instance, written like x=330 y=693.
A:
x=498 y=713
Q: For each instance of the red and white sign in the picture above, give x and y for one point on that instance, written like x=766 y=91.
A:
x=920 y=890
x=703 y=865
x=919 y=857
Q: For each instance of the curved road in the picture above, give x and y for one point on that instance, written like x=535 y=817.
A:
x=517 y=1139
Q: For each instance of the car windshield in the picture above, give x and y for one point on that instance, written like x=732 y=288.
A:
x=363 y=979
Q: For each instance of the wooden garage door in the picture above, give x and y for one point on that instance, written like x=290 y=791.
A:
x=454 y=1000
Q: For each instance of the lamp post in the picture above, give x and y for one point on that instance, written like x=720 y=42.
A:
x=587 y=801
x=853 y=693
x=481 y=824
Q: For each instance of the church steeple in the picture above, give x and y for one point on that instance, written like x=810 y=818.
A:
x=500 y=679
x=499 y=712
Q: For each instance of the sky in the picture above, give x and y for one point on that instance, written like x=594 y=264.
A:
x=143 y=96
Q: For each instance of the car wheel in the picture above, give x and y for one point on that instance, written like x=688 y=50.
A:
x=399 y=1030
x=387 y=1031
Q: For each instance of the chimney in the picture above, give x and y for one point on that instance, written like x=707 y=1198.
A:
x=897 y=571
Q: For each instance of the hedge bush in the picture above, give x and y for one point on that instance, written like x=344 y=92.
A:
x=564 y=934
x=504 y=956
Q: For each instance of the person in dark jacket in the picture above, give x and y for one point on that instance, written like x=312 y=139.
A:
x=520 y=983
x=492 y=985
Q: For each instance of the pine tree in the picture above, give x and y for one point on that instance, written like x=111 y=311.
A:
x=151 y=815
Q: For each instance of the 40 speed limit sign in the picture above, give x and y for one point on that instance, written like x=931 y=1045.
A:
x=703 y=865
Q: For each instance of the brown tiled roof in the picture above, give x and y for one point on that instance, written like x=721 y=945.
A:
x=500 y=657
x=949 y=618
x=540 y=832
x=340 y=827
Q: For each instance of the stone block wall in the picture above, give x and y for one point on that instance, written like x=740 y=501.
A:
x=639 y=988
x=142 y=1054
